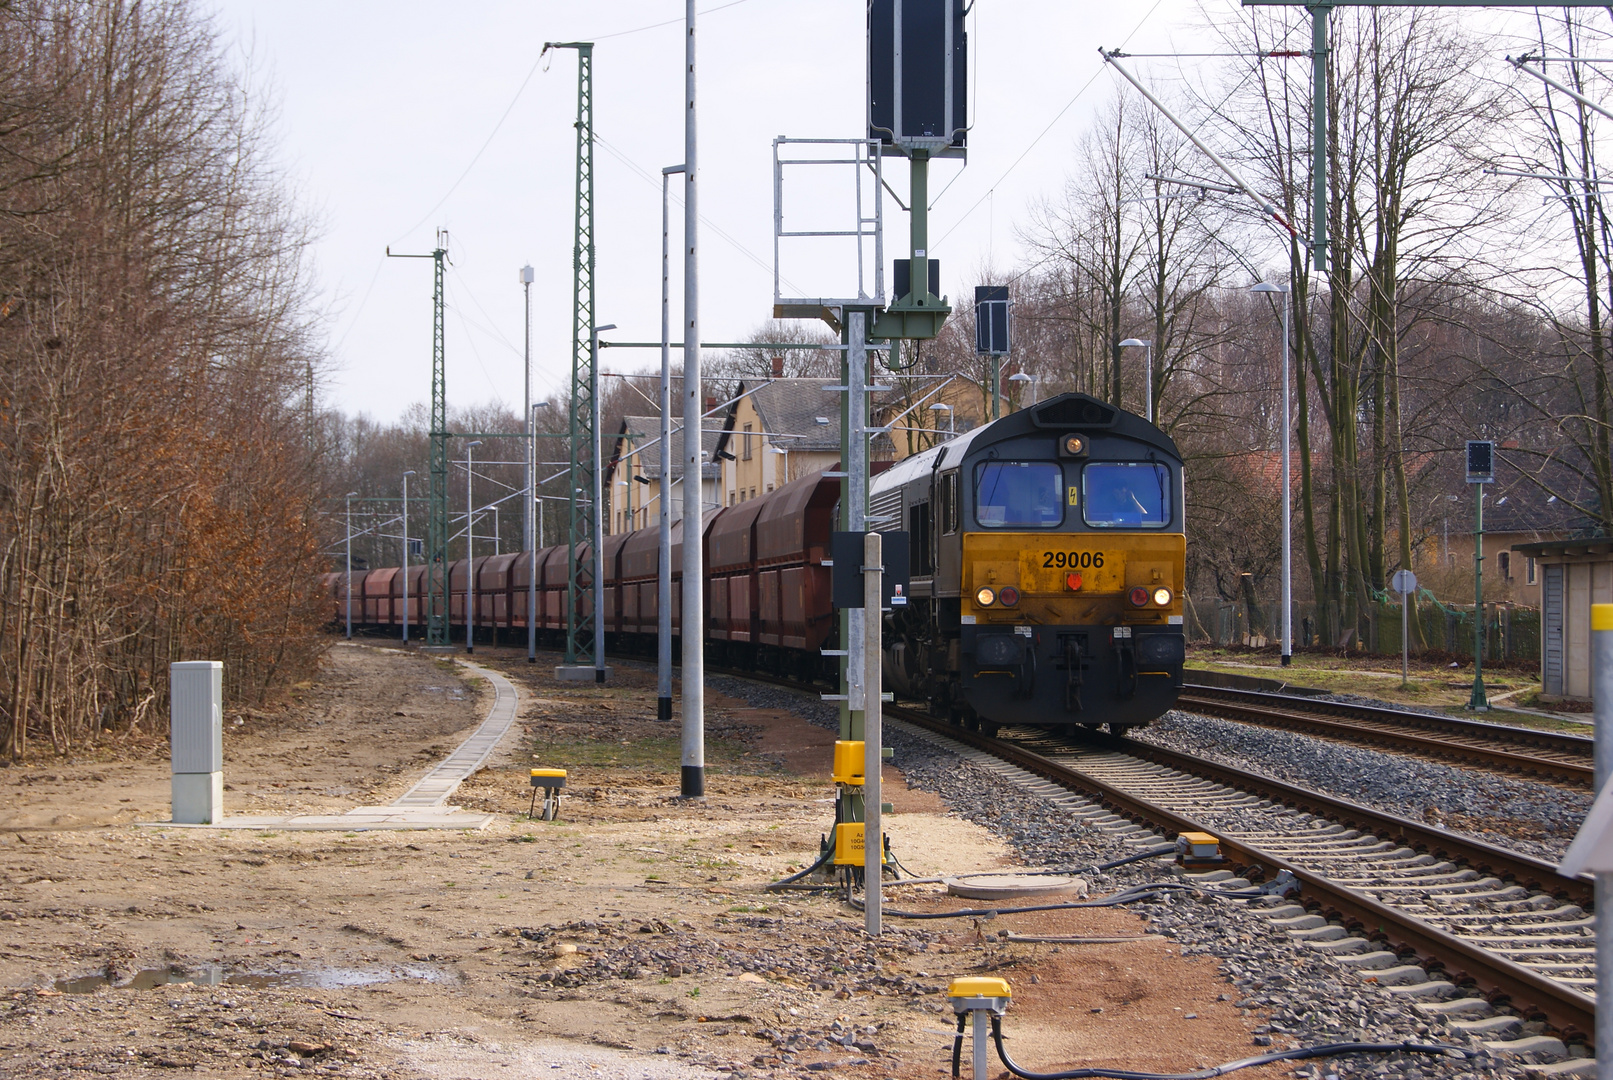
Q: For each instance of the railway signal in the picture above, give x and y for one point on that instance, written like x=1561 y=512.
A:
x=1480 y=471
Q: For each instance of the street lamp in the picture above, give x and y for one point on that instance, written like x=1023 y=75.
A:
x=598 y=511
x=941 y=407
x=1022 y=377
x=785 y=451
x=406 y=476
x=1287 y=511
x=350 y=495
x=470 y=552
x=1148 y=376
x=532 y=498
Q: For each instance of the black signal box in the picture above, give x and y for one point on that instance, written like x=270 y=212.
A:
x=846 y=549
x=1480 y=461
x=991 y=320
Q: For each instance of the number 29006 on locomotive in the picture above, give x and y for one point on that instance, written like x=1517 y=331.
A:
x=1047 y=570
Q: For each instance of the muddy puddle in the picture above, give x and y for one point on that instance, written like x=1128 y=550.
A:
x=224 y=975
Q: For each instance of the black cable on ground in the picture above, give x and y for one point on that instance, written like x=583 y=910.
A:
x=1298 y=1054
x=793 y=878
x=957 y=1043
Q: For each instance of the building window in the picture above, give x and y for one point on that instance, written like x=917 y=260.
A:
x=1529 y=570
x=745 y=451
x=1506 y=565
x=753 y=493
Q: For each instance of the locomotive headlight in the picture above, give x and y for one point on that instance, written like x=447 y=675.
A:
x=1139 y=597
x=1074 y=445
x=1162 y=597
x=985 y=597
x=1009 y=596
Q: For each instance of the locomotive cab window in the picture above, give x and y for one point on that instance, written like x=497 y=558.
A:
x=1019 y=494
x=1120 y=494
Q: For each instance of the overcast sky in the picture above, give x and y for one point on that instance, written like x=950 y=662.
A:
x=386 y=113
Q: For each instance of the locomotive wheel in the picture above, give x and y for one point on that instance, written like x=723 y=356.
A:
x=988 y=729
x=1120 y=729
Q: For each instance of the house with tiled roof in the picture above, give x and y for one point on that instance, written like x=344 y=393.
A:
x=778 y=430
x=633 y=474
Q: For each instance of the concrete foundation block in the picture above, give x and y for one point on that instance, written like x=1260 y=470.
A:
x=198 y=798
x=581 y=673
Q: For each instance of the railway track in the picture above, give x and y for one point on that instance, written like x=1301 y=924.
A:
x=1437 y=914
x=1549 y=755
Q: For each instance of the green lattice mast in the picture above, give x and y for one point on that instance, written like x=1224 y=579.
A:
x=584 y=444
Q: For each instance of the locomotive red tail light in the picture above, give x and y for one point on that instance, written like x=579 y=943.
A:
x=1072 y=582
x=1139 y=597
x=1009 y=596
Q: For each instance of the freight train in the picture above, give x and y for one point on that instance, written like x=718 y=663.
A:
x=1046 y=553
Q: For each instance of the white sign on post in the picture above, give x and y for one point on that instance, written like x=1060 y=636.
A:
x=1404 y=582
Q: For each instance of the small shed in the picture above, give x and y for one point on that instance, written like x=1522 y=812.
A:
x=1573 y=575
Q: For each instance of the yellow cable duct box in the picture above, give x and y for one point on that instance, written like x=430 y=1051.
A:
x=849 y=843
x=849 y=763
x=979 y=986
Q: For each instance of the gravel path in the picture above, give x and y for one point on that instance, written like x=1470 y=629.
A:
x=1305 y=995
x=1532 y=818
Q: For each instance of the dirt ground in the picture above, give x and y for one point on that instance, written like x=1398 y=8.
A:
x=631 y=938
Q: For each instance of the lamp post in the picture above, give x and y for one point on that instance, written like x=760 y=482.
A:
x=349 y=574
x=534 y=540
x=1022 y=377
x=599 y=509
x=1287 y=569
x=470 y=553
x=406 y=476
x=663 y=556
x=1148 y=374
x=784 y=452
x=942 y=407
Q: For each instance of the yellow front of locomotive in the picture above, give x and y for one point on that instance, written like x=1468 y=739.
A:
x=1079 y=623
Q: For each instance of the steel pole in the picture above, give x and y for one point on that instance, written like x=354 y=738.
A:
x=1288 y=497
x=1148 y=382
x=596 y=449
x=1602 y=713
x=663 y=555
x=349 y=575
x=1480 y=700
x=535 y=515
x=405 y=558
x=873 y=834
x=694 y=628
x=1319 y=16
x=528 y=537
x=470 y=555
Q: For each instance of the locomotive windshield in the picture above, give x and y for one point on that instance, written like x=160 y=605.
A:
x=1127 y=493
x=1019 y=493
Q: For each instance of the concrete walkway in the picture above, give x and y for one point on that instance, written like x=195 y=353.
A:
x=422 y=806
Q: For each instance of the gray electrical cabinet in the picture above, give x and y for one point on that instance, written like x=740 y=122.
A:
x=196 y=741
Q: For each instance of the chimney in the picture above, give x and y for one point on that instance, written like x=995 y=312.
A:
x=778 y=367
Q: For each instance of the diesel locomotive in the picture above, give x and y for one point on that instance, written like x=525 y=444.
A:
x=1046 y=556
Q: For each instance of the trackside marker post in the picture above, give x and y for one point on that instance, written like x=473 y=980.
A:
x=873 y=741
x=1592 y=849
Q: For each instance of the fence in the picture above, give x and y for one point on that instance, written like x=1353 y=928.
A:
x=1510 y=632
